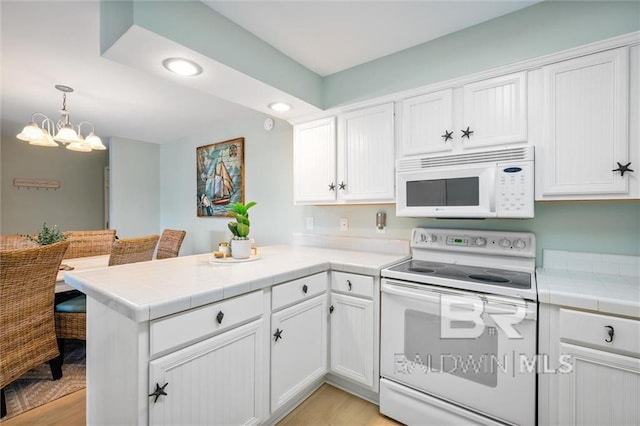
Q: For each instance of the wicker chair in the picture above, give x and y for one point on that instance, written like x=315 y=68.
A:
x=90 y=243
x=27 y=328
x=133 y=250
x=71 y=316
x=15 y=241
x=170 y=242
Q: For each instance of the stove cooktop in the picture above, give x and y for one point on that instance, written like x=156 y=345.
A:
x=420 y=271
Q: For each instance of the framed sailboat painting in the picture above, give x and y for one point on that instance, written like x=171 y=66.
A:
x=219 y=177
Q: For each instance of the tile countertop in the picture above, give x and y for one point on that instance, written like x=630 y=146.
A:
x=598 y=282
x=150 y=290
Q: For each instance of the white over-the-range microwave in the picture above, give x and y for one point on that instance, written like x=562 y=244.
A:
x=495 y=183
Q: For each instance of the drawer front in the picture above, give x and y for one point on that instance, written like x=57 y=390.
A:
x=298 y=290
x=594 y=330
x=190 y=326
x=353 y=284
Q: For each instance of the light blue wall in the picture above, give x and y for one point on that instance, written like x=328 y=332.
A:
x=268 y=176
x=611 y=227
x=134 y=187
x=538 y=30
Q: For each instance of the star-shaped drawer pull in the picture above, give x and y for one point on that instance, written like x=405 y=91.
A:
x=623 y=168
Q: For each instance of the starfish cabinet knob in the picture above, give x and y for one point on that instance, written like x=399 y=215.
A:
x=159 y=391
x=466 y=133
x=342 y=185
x=447 y=135
x=277 y=335
x=623 y=168
x=332 y=187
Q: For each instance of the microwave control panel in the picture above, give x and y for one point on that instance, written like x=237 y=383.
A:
x=514 y=190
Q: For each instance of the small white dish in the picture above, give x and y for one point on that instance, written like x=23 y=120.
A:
x=232 y=260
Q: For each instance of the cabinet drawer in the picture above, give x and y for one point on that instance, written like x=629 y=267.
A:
x=593 y=330
x=354 y=284
x=297 y=290
x=173 y=331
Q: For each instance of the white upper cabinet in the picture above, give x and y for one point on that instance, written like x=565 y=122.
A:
x=483 y=113
x=366 y=155
x=495 y=110
x=314 y=161
x=426 y=119
x=585 y=128
x=355 y=167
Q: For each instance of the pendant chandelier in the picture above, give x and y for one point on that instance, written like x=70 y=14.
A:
x=65 y=133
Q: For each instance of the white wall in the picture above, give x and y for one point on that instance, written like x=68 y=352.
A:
x=268 y=181
x=134 y=187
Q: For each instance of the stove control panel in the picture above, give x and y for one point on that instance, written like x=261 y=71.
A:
x=475 y=241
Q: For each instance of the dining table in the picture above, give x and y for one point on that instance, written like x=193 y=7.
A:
x=78 y=264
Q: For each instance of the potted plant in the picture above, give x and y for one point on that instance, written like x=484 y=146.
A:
x=47 y=235
x=240 y=242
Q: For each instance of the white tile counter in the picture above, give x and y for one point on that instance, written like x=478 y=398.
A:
x=150 y=290
x=596 y=282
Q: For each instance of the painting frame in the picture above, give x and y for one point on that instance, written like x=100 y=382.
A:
x=219 y=177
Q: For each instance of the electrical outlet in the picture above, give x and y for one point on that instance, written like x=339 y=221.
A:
x=310 y=223
x=344 y=223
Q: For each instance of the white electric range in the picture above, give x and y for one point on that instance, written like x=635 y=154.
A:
x=458 y=329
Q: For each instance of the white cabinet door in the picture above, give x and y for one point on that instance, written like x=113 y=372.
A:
x=426 y=120
x=602 y=389
x=219 y=381
x=352 y=339
x=314 y=161
x=366 y=155
x=585 y=131
x=495 y=110
x=298 y=348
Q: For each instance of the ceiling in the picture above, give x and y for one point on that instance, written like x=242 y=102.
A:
x=129 y=102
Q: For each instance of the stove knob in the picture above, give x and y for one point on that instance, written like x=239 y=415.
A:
x=423 y=238
x=480 y=241
x=519 y=244
x=504 y=243
x=433 y=238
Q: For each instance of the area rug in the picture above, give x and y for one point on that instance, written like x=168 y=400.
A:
x=36 y=387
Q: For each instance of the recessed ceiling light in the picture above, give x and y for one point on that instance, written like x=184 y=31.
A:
x=280 y=106
x=182 y=66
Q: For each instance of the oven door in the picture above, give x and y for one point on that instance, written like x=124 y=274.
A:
x=454 y=191
x=475 y=351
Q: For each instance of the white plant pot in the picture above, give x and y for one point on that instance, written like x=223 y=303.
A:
x=241 y=249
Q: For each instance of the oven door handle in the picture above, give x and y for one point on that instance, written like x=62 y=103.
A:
x=420 y=294
x=493 y=306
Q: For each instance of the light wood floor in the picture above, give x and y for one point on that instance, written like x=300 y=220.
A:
x=327 y=406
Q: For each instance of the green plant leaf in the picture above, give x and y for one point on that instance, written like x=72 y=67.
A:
x=243 y=230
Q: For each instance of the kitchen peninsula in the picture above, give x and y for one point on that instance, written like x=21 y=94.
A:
x=185 y=340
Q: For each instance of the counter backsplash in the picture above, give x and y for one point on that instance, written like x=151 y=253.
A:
x=592 y=262
x=376 y=245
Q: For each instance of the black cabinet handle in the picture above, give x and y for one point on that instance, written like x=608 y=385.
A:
x=332 y=186
x=623 y=168
x=610 y=332
x=277 y=335
x=447 y=135
x=349 y=284
x=467 y=133
x=219 y=317
x=331 y=309
x=305 y=289
x=158 y=391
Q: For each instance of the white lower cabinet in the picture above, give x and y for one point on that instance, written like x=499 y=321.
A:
x=298 y=348
x=219 y=381
x=603 y=388
x=354 y=315
x=592 y=375
x=352 y=338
